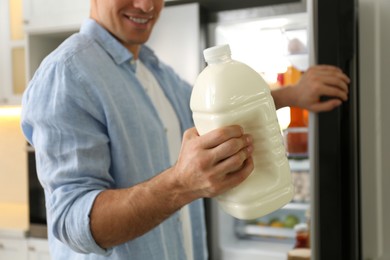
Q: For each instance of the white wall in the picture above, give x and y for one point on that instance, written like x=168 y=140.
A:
x=374 y=21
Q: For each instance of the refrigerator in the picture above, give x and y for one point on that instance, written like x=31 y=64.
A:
x=346 y=169
x=345 y=165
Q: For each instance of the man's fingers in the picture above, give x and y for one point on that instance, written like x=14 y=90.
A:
x=218 y=136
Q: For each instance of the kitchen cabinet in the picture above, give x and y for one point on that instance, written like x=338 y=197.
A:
x=54 y=15
x=13 y=248
x=38 y=249
x=12 y=51
x=15 y=243
x=39 y=45
x=24 y=248
x=47 y=23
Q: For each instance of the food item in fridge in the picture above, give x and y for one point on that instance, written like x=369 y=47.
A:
x=301 y=180
x=228 y=92
x=275 y=222
x=290 y=221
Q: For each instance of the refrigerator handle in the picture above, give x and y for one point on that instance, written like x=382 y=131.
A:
x=341 y=54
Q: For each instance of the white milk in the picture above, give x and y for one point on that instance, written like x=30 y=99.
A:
x=229 y=92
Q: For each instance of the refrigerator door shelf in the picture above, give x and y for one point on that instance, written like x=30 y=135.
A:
x=300 y=165
x=277 y=226
x=297 y=206
x=261 y=232
x=232 y=247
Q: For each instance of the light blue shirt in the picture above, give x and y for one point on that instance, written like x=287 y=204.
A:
x=94 y=128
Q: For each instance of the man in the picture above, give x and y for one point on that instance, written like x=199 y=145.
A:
x=123 y=169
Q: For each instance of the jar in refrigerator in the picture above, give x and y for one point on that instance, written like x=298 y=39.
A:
x=302 y=238
x=301 y=180
x=228 y=92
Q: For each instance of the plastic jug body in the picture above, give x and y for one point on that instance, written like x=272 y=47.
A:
x=228 y=93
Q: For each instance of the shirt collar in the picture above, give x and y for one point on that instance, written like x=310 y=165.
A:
x=108 y=42
x=112 y=46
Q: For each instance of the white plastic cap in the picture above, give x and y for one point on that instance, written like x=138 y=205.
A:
x=216 y=51
x=301 y=227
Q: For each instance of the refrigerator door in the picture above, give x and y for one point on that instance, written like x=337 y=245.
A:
x=336 y=147
x=177 y=39
x=374 y=40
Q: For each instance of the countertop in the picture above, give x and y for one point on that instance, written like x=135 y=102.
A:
x=14 y=220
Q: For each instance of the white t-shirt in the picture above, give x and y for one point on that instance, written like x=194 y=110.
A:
x=172 y=127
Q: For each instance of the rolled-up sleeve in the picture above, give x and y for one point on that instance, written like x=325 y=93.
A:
x=72 y=152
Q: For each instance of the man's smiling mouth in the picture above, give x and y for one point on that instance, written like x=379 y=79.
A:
x=139 y=20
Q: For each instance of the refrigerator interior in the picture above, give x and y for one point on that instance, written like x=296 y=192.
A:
x=270 y=45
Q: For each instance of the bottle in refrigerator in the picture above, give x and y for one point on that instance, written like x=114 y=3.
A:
x=296 y=134
x=228 y=92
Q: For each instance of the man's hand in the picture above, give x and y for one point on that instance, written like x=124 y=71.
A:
x=318 y=81
x=215 y=162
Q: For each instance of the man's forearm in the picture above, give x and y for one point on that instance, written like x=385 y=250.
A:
x=121 y=215
x=283 y=97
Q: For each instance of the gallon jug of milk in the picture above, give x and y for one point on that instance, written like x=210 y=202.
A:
x=228 y=92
